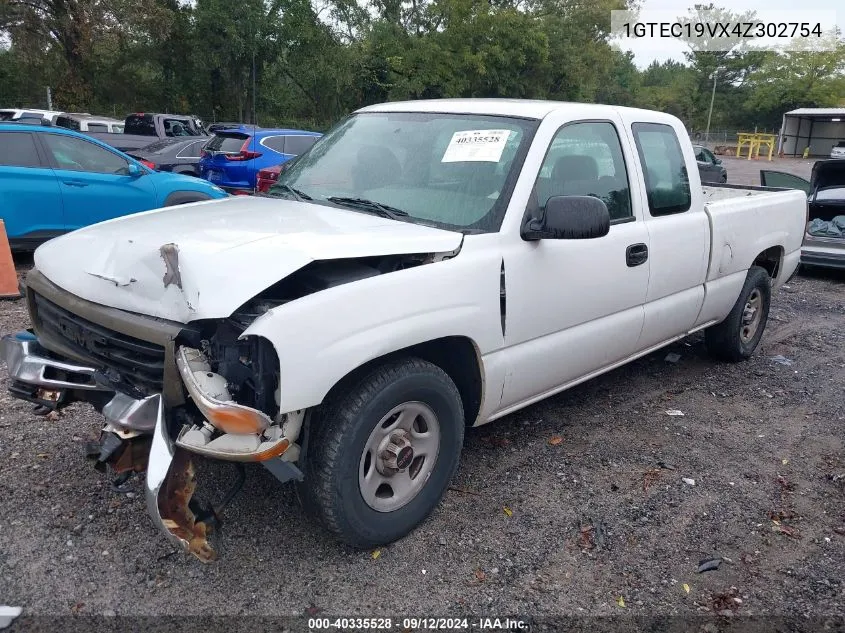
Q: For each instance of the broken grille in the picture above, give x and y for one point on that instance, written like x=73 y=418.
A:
x=125 y=360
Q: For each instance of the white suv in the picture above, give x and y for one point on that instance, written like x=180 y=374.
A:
x=838 y=150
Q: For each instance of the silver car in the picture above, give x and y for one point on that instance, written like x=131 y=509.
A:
x=838 y=150
x=824 y=238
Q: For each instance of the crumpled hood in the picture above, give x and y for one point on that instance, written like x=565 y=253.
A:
x=204 y=260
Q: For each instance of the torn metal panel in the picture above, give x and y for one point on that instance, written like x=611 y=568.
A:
x=170 y=255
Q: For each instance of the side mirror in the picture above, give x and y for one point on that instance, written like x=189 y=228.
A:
x=717 y=161
x=569 y=218
x=134 y=171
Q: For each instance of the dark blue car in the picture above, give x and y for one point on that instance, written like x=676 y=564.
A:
x=54 y=180
x=233 y=157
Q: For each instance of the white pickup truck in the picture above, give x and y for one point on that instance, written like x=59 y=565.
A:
x=425 y=267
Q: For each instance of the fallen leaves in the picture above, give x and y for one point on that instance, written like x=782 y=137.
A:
x=785 y=529
x=480 y=576
x=650 y=477
x=53 y=416
x=508 y=512
x=555 y=440
x=621 y=601
x=586 y=538
x=727 y=602
x=686 y=587
x=376 y=554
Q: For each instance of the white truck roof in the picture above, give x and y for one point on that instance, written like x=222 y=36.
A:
x=527 y=108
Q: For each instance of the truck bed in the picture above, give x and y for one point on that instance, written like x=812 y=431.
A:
x=745 y=219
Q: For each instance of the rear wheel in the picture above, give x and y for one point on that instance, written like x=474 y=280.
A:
x=382 y=452
x=736 y=338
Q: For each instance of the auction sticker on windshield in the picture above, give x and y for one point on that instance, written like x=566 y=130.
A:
x=476 y=145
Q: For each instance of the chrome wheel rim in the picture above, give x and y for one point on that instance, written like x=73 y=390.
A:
x=399 y=456
x=751 y=316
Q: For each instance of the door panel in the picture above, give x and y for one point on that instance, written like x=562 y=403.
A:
x=92 y=185
x=770 y=178
x=576 y=306
x=30 y=198
x=679 y=234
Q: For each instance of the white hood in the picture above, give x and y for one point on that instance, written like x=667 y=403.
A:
x=228 y=252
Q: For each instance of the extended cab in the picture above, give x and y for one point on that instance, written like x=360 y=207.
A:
x=425 y=267
x=142 y=128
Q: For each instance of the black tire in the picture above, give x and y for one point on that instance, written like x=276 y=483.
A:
x=339 y=434
x=729 y=340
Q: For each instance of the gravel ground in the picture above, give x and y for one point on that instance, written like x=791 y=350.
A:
x=574 y=506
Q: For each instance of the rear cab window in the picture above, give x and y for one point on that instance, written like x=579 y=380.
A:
x=140 y=124
x=68 y=122
x=98 y=127
x=17 y=149
x=664 y=168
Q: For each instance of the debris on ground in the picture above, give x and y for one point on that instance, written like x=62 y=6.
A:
x=672 y=357
x=621 y=601
x=782 y=360
x=650 y=478
x=555 y=440
x=586 y=539
x=7 y=614
x=688 y=481
x=709 y=564
x=312 y=609
x=791 y=532
x=375 y=554
x=508 y=512
x=686 y=587
x=726 y=603
x=674 y=412
x=664 y=465
x=480 y=576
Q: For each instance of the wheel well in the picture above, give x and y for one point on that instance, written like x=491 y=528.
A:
x=456 y=355
x=770 y=260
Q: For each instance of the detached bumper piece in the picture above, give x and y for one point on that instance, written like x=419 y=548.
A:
x=38 y=377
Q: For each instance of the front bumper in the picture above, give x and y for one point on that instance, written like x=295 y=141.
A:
x=146 y=426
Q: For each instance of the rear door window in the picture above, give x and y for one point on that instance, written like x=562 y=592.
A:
x=666 y=178
x=227 y=143
x=17 y=149
x=297 y=145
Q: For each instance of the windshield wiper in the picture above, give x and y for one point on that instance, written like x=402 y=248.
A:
x=384 y=210
x=297 y=194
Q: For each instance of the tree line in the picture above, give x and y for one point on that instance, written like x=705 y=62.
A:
x=307 y=63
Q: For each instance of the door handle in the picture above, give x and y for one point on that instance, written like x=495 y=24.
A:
x=636 y=254
x=75 y=183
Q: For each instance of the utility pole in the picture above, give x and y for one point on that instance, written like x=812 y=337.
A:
x=710 y=113
x=49 y=99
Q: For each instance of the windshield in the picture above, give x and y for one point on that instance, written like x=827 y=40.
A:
x=450 y=170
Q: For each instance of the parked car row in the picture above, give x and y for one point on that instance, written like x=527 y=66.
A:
x=54 y=180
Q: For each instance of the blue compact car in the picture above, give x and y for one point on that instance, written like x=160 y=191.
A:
x=233 y=157
x=54 y=180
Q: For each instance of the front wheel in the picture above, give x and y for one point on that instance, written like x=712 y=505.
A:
x=382 y=452
x=736 y=338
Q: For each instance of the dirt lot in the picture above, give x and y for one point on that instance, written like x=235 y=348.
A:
x=532 y=526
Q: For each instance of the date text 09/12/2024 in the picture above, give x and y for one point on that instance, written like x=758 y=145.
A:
x=418 y=624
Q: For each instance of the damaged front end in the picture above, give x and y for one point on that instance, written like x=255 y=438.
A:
x=166 y=391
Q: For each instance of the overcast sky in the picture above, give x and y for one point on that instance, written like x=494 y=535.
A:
x=647 y=50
